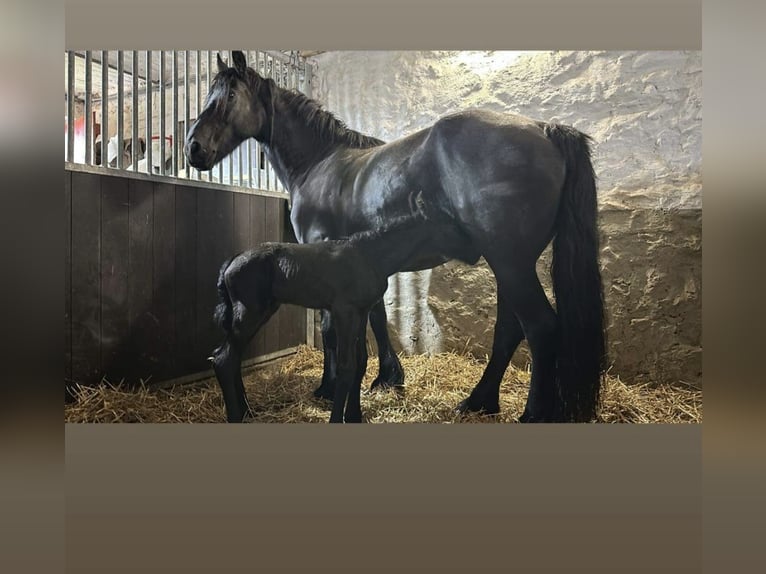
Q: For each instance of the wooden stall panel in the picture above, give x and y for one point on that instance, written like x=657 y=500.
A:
x=243 y=240
x=273 y=225
x=143 y=340
x=258 y=226
x=142 y=260
x=215 y=242
x=85 y=276
x=116 y=356
x=163 y=277
x=67 y=275
x=186 y=281
x=292 y=327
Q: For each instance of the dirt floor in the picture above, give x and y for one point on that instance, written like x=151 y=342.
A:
x=281 y=392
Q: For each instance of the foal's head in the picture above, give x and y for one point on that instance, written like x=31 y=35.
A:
x=237 y=107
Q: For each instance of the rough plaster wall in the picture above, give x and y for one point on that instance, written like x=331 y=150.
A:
x=643 y=110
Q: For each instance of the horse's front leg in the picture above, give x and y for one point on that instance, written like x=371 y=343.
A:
x=391 y=373
x=326 y=389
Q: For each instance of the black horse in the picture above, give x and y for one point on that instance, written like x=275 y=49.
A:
x=345 y=277
x=511 y=184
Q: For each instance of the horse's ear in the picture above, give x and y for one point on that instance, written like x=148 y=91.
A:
x=221 y=64
x=240 y=62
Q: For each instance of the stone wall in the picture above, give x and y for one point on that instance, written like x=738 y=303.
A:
x=643 y=110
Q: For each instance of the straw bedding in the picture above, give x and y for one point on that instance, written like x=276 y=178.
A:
x=281 y=392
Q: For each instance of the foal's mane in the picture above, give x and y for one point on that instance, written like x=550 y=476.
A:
x=396 y=224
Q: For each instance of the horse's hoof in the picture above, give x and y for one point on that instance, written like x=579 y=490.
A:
x=391 y=376
x=465 y=407
x=527 y=417
x=323 y=392
x=378 y=385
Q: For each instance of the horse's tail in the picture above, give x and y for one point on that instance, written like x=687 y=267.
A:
x=223 y=314
x=581 y=347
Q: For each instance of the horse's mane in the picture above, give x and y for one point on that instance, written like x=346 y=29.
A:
x=324 y=123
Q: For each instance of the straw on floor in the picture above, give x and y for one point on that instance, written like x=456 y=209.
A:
x=282 y=393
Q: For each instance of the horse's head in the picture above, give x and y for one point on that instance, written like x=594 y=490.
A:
x=236 y=108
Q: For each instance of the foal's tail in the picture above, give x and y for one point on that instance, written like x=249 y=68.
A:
x=223 y=314
x=581 y=350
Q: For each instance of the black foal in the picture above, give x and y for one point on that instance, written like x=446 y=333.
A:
x=346 y=277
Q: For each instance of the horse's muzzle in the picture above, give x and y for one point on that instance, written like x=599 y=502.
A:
x=199 y=156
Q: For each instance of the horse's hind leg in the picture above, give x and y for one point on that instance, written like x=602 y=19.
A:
x=390 y=373
x=485 y=397
x=539 y=323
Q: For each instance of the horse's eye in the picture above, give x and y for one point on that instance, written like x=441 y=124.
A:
x=231 y=95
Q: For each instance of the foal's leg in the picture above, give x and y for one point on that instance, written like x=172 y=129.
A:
x=391 y=373
x=353 y=406
x=227 y=364
x=485 y=396
x=326 y=390
x=227 y=360
x=349 y=328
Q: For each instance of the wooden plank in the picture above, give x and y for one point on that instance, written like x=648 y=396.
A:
x=273 y=227
x=292 y=327
x=214 y=246
x=243 y=228
x=67 y=275
x=115 y=247
x=143 y=339
x=243 y=240
x=164 y=288
x=86 y=291
x=186 y=280
x=258 y=219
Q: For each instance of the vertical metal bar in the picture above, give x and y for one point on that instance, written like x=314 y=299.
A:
x=120 y=106
x=209 y=173
x=88 y=108
x=278 y=74
x=149 y=113
x=70 y=106
x=220 y=163
x=230 y=157
x=197 y=112
x=104 y=106
x=258 y=144
x=208 y=71
x=239 y=165
x=270 y=73
x=250 y=142
x=174 y=128
x=186 y=109
x=163 y=79
x=134 y=147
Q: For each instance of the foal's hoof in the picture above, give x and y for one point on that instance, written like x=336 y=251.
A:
x=465 y=406
x=324 y=392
